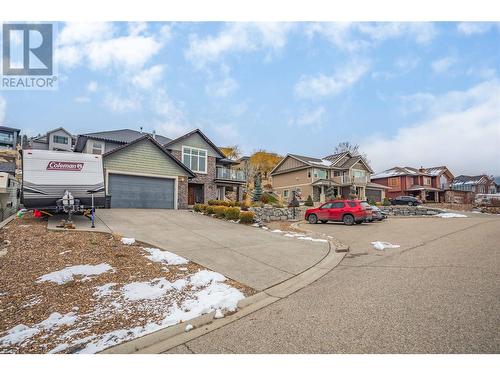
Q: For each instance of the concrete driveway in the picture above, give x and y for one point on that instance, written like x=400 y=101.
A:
x=438 y=293
x=250 y=255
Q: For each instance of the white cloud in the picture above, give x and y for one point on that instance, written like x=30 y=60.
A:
x=443 y=65
x=227 y=134
x=237 y=37
x=3 y=109
x=322 y=85
x=117 y=103
x=222 y=88
x=148 y=78
x=92 y=86
x=82 y=99
x=171 y=117
x=357 y=36
x=461 y=130
x=475 y=28
x=98 y=46
x=310 y=118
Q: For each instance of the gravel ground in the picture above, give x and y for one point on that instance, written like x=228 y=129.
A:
x=34 y=251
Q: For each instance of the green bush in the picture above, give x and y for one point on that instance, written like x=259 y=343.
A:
x=210 y=210
x=257 y=204
x=232 y=213
x=309 y=201
x=246 y=217
x=278 y=205
x=268 y=198
x=220 y=211
x=197 y=207
x=386 y=202
x=371 y=202
x=244 y=206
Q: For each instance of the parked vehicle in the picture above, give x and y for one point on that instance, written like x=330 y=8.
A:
x=377 y=214
x=347 y=211
x=48 y=176
x=406 y=200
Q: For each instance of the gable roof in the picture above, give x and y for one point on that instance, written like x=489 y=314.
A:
x=468 y=180
x=157 y=144
x=396 y=171
x=200 y=133
x=336 y=158
x=121 y=136
x=44 y=138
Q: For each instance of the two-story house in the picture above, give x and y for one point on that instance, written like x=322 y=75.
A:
x=58 y=139
x=338 y=175
x=428 y=184
x=10 y=161
x=9 y=138
x=145 y=170
x=481 y=184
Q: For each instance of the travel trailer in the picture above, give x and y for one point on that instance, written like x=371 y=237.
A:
x=48 y=176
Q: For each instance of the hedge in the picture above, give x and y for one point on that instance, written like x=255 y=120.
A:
x=232 y=213
x=220 y=211
x=246 y=217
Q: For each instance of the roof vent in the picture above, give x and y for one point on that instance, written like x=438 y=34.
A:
x=154 y=134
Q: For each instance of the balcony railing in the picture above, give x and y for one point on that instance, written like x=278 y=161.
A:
x=349 y=179
x=223 y=173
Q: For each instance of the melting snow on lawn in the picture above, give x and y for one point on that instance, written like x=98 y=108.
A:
x=449 y=215
x=157 y=255
x=128 y=241
x=22 y=332
x=378 y=245
x=68 y=273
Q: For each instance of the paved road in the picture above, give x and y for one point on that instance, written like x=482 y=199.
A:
x=438 y=293
x=249 y=255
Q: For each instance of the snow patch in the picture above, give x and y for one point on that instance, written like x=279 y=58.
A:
x=67 y=274
x=218 y=314
x=153 y=289
x=157 y=255
x=205 y=277
x=104 y=290
x=128 y=241
x=449 y=215
x=188 y=328
x=378 y=245
x=277 y=231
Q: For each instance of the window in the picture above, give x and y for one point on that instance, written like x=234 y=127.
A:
x=309 y=174
x=195 y=159
x=285 y=193
x=60 y=139
x=338 y=205
x=97 y=148
x=327 y=205
x=319 y=174
x=351 y=204
x=393 y=182
x=427 y=181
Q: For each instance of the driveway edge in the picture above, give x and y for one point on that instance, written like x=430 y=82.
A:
x=170 y=337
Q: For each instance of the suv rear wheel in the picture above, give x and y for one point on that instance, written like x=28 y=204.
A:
x=410 y=203
x=348 y=219
x=312 y=219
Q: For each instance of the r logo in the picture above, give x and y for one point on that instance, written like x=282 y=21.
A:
x=27 y=49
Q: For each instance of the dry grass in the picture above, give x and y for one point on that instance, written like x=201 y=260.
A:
x=33 y=251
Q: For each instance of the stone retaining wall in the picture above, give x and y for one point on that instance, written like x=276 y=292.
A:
x=410 y=210
x=270 y=213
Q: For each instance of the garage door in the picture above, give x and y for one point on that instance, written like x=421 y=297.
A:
x=375 y=195
x=141 y=192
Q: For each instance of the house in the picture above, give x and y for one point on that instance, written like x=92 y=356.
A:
x=428 y=184
x=9 y=138
x=335 y=175
x=145 y=170
x=244 y=163
x=58 y=139
x=481 y=184
x=216 y=177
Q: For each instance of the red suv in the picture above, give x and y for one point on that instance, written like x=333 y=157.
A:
x=345 y=210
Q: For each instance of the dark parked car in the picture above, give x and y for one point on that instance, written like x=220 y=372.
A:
x=406 y=200
x=347 y=211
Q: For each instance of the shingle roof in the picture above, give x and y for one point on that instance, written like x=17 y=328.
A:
x=463 y=179
x=397 y=171
x=121 y=136
x=306 y=159
x=335 y=158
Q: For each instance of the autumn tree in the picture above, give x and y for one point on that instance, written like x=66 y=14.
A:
x=263 y=162
x=352 y=148
x=231 y=152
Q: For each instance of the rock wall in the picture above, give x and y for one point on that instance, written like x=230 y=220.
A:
x=410 y=210
x=270 y=213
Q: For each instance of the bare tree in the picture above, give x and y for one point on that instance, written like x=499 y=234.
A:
x=352 y=148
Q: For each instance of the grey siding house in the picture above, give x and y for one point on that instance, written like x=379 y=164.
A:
x=9 y=138
x=58 y=139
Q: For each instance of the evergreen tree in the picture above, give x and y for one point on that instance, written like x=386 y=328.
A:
x=309 y=201
x=257 y=191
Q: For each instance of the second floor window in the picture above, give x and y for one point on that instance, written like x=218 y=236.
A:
x=195 y=159
x=427 y=181
x=60 y=139
x=393 y=182
x=97 y=148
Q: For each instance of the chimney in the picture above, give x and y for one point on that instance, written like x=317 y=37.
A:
x=154 y=134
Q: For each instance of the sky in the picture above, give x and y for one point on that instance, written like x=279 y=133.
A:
x=410 y=94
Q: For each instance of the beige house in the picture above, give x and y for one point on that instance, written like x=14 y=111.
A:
x=338 y=175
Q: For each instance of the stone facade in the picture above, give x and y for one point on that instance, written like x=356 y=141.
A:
x=206 y=179
x=182 y=192
x=410 y=210
x=270 y=213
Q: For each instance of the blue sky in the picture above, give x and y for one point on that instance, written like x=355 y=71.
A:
x=409 y=93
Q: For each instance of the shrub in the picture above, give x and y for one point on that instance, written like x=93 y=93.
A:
x=278 y=205
x=246 y=217
x=309 y=201
x=244 y=206
x=232 y=213
x=215 y=202
x=371 y=202
x=264 y=199
x=203 y=207
x=386 y=202
x=220 y=211
x=257 y=204
x=268 y=198
x=211 y=210
x=197 y=207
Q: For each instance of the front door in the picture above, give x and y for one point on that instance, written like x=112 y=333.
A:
x=191 y=194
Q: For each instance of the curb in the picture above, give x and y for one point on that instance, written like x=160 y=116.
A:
x=8 y=220
x=338 y=249
x=170 y=337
